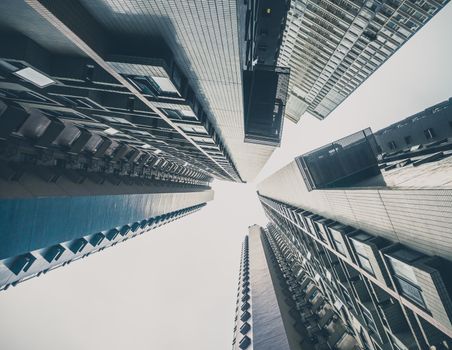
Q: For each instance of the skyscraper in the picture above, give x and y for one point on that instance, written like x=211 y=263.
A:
x=116 y=116
x=101 y=137
x=195 y=49
x=332 y=47
x=371 y=231
x=277 y=307
x=71 y=185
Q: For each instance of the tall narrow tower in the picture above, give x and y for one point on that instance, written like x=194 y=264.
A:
x=278 y=306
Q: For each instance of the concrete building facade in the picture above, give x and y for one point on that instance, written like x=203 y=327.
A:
x=373 y=236
x=278 y=305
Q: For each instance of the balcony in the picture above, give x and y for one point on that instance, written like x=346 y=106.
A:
x=343 y=163
x=264 y=94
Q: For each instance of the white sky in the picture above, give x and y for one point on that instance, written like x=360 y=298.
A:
x=174 y=288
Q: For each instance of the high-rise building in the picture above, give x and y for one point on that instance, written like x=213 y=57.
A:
x=182 y=62
x=116 y=116
x=102 y=137
x=371 y=232
x=429 y=127
x=332 y=47
x=269 y=304
x=71 y=185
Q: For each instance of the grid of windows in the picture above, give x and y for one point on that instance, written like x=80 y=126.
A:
x=355 y=291
x=333 y=46
x=204 y=38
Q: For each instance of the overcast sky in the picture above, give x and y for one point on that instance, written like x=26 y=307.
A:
x=174 y=288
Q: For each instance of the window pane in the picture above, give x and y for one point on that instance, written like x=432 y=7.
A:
x=165 y=85
x=360 y=248
x=410 y=291
x=340 y=247
x=403 y=270
x=365 y=264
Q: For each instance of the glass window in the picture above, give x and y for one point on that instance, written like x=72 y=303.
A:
x=347 y=297
x=144 y=85
x=165 y=85
x=172 y=113
x=369 y=320
x=361 y=253
x=410 y=291
x=406 y=280
x=338 y=242
x=311 y=227
x=403 y=270
x=407 y=255
x=188 y=114
x=321 y=231
x=397 y=344
x=188 y=128
x=34 y=77
x=365 y=263
x=115 y=120
x=360 y=248
x=361 y=236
